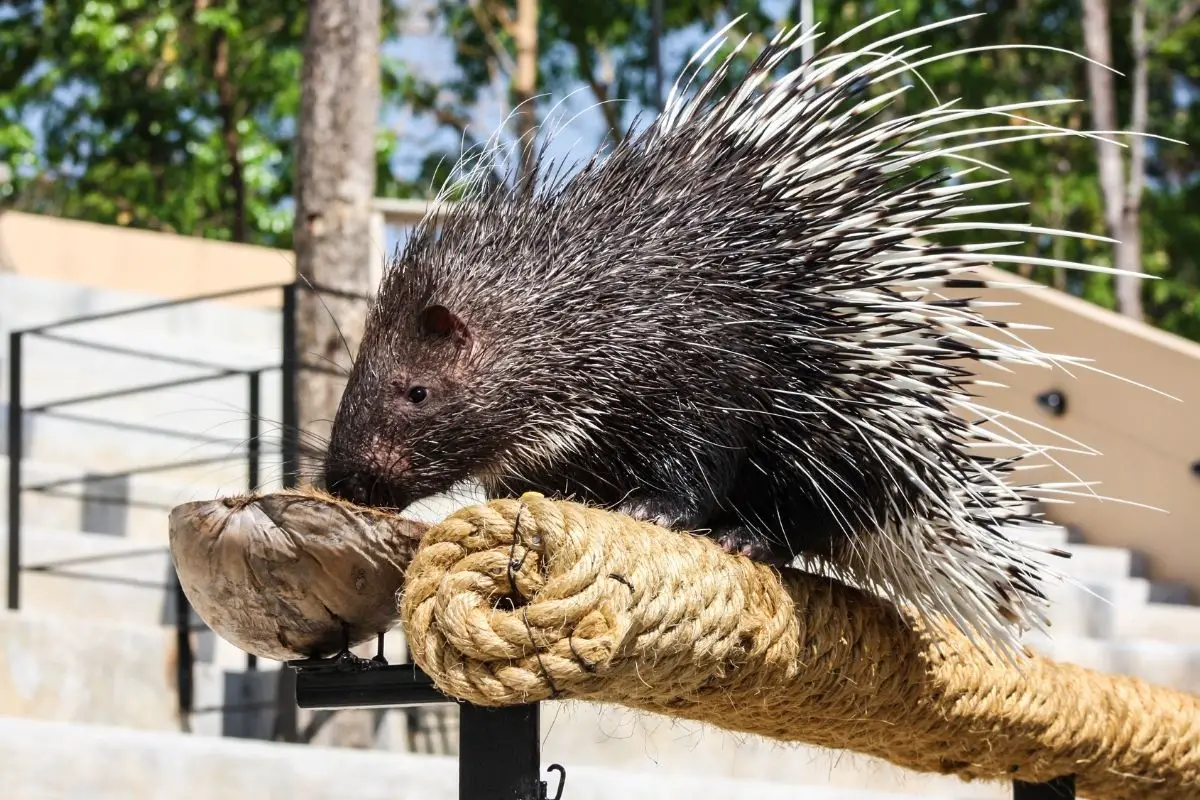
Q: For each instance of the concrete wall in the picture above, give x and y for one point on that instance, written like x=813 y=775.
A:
x=161 y=264
x=1148 y=442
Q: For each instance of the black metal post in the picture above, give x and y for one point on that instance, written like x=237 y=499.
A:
x=287 y=721
x=290 y=437
x=15 y=442
x=499 y=753
x=656 y=25
x=253 y=456
x=1058 y=789
x=183 y=647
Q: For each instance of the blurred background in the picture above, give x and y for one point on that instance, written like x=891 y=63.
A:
x=191 y=191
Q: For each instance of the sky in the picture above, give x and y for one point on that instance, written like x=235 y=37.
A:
x=430 y=52
x=580 y=126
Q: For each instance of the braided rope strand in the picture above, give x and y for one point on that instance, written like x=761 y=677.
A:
x=524 y=600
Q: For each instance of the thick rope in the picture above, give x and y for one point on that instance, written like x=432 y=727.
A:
x=527 y=600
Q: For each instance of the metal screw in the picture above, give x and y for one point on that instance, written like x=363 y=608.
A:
x=1053 y=401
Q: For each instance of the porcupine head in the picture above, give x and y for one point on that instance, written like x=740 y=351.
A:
x=732 y=322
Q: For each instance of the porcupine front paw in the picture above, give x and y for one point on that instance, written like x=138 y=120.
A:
x=735 y=539
x=742 y=541
x=664 y=512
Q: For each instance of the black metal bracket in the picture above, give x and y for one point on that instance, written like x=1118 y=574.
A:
x=499 y=748
x=1058 y=789
x=348 y=681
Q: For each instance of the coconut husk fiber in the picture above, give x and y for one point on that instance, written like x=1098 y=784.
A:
x=524 y=600
x=293 y=574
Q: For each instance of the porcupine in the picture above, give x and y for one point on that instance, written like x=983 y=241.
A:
x=734 y=323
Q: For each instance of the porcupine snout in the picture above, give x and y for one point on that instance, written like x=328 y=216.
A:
x=369 y=475
x=363 y=487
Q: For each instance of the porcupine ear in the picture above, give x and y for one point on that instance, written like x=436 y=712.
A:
x=443 y=323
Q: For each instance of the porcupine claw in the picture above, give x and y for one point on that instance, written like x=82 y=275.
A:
x=741 y=541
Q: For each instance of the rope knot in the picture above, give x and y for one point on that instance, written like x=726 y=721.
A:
x=508 y=600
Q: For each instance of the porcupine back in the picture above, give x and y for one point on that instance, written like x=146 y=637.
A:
x=746 y=300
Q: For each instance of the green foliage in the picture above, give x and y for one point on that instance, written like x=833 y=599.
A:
x=162 y=114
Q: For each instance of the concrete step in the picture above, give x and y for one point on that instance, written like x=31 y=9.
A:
x=54 y=668
x=645 y=746
x=1045 y=535
x=105 y=450
x=58 y=668
x=1162 y=622
x=139 y=354
x=27 y=301
x=1092 y=608
x=54 y=372
x=79 y=669
x=214 y=410
x=53 y=760
x=1161 y=663
x=104 y=578
x=1095 y=563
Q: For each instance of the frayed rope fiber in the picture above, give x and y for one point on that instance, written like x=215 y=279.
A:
x=532 y=599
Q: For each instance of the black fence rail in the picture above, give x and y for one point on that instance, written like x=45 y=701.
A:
x=250 y=451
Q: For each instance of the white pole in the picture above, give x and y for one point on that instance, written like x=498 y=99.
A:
x=806 y=21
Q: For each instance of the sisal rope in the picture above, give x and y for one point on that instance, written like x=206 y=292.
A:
x=601 y=607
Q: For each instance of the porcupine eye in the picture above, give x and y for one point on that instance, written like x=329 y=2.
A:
x=418 y=395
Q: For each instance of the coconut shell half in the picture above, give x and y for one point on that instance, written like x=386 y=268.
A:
x=292 y=574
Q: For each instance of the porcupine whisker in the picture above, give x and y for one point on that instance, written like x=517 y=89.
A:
x=332 y=318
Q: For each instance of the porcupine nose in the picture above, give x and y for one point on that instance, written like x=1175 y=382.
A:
x=362 y=487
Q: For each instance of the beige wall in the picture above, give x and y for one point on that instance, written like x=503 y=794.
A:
x=138 y=261
x=1147 y=442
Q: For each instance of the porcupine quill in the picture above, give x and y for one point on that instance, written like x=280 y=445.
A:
x=732 y=322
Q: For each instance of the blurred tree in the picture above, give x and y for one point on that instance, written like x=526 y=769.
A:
x=175 y=115
x=334 y=186
x=606 y=47
x=1122 y=180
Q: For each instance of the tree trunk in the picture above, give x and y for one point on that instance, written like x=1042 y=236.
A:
x=1122 y=200
x=227 y=106
x=525 y=33
x=600 y=85
x=1129 y=288
x=335 y=185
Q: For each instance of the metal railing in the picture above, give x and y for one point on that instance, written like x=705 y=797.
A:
x=251 y=450
x=284 y=448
